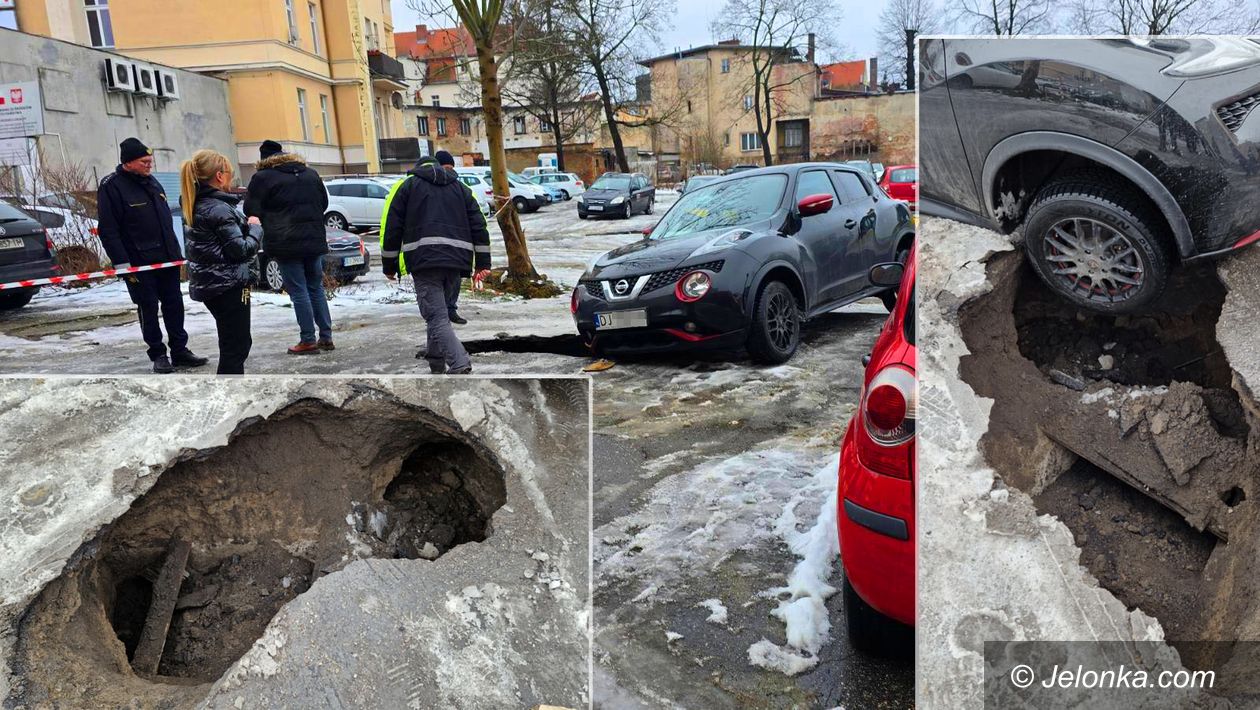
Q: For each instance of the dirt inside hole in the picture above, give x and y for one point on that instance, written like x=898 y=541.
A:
x=1143 y=552
x=290 y=499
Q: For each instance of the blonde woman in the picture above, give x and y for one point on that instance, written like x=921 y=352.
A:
x=221 y=246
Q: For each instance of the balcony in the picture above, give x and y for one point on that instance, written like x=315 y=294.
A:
x=387 y=72
x=399 y=150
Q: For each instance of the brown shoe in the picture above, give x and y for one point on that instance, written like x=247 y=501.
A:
x=326 y=344
x=304 y=349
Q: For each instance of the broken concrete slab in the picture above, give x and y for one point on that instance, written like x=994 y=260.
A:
x=162 y=608
x=371 y=632
x=1033 y=586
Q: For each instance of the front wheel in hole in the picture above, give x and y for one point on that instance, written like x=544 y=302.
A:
x=1098 y=243
x=776 y=325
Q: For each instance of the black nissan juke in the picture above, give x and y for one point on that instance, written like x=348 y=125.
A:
x=1116 y=158
x=743 y=262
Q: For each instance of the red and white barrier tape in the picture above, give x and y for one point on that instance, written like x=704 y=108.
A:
x=54 y=280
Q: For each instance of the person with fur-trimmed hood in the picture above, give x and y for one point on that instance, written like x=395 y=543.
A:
x=290 y=199
x=432 y=220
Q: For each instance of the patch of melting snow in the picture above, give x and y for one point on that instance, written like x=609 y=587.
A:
x=1091 y=397
x=803 y=605
x=717 y=611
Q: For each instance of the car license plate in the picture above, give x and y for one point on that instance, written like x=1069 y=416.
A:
x=595 y=208
x=352 y=261
x=11 y=243
x=621 y=319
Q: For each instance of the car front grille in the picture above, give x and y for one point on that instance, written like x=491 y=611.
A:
x=667 y=278
x=1233 y=114
x=593 y=288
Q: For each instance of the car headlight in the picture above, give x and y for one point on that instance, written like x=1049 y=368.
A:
x=617 y=200
x=693 y=286
x=581 y=200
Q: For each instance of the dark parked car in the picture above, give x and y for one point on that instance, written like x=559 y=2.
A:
x=739 y=169
x=26 y=253
x=346 y=260
x=695 y=182
x=1118 y=158
x=617 y=195
x=743 y=262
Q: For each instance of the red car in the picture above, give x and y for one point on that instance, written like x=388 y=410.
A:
x=876 y=488
x=901 y=182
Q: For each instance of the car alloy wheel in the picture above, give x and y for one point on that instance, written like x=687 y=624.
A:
x=336 y=221
x=519 y=204
x=781 y=322
x=271 y=272
x=1093 y=260
x=626 y=215
x=565 y=195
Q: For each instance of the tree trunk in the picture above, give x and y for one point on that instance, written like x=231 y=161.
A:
x=605 y=95
x=557 y=132
x=760 y=91
x=519 y=265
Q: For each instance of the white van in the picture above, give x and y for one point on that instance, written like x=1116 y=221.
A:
x=527 y=197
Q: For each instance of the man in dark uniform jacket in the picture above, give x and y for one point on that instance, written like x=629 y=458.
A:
x=136 y=230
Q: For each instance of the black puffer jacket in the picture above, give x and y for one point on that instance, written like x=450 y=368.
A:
x=221 y=245
x=135 y=220
x=290 y=199
x=433 y=220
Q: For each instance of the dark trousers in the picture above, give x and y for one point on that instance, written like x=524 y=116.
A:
x=452 y=296
x=231 y=317
x=152 y=291
x=432 y=288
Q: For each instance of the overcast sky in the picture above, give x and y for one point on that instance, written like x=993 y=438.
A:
x=854 y=29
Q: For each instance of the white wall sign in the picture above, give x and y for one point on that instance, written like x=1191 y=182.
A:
x=21 y=111
x=17 y=152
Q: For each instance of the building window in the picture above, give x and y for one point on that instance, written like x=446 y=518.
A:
x=441 y=126
x=688 y=107
x=726 y=138
x=314 y=10
x=726 y=66
x=793 y=135
x=422 y=124
x=544 y=126
x=100 y=28
x=749 y=142
x=437 y=100
x=306 y=128
x=323 y=116
x=465 y=126
x=748 y=104
x=292 y=17
x=518 y=125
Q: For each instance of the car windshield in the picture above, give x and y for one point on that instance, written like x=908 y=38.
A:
x=9 y=213
x=726 y=204
x=612 y=182
x=903 y=175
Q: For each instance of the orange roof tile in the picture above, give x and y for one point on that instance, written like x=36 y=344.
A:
x=843 y=73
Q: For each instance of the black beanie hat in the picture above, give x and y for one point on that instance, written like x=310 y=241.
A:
x=131 y=149
x=269 y=148
x=444 y=158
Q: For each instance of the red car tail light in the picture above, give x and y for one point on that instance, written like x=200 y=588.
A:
x=93 y=231
x=573 y=302
x=888 y=413
x=693 y=286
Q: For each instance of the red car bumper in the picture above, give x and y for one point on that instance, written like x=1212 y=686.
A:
x=876 y=520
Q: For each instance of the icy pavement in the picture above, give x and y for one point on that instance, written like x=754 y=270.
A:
x=715 y=559
x=377 y=326
x=499 y=623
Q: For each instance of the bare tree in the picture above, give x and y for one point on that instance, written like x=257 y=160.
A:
x=607 y=34
x=1159 y=17
x=546 y=80
x=772 y=31
x=482 y=19
x=1006 y=17
x=923 y=16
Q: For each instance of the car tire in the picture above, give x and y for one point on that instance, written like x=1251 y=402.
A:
x=1079 y=214
x=272 y=279
x=17 y=299
x=565 y=194
x=581 y=216
x=889 y=297
x=337 y=221
x=519 y=204
x=871 y=632
x=776 y=325
x=648 y=210
x=626 y=213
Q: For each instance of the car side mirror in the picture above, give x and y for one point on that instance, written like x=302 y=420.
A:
x=815 y=204
x=886 y=274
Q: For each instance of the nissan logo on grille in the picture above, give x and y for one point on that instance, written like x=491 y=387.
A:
x=621 y=287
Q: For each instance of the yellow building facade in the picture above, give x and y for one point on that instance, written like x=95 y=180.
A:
x=315 y=75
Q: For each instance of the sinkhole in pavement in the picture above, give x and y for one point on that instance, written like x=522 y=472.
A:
x=1128 y=430
x=169 y=595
